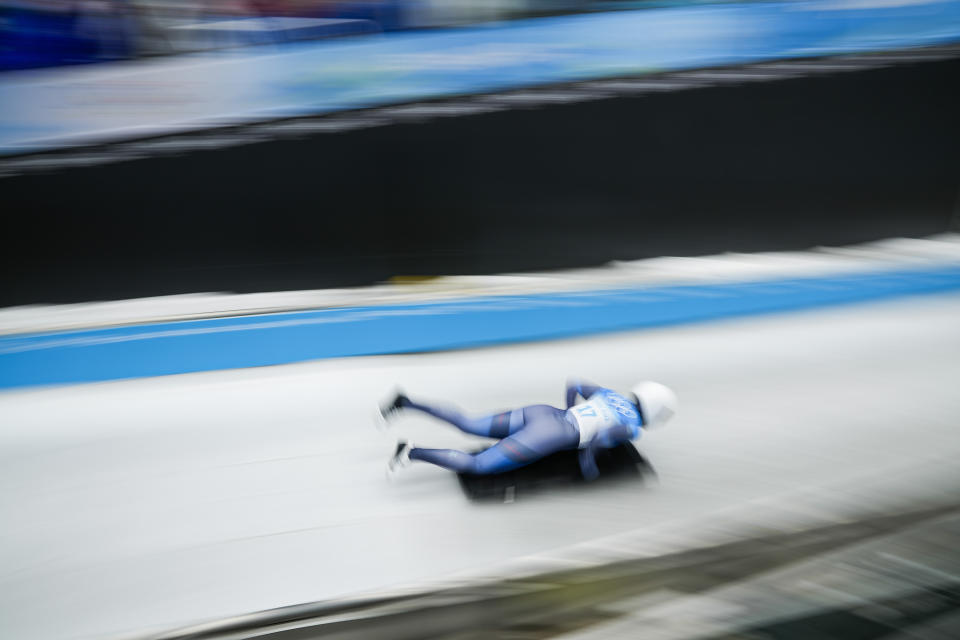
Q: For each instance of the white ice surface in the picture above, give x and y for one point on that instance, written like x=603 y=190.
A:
x=143 y=505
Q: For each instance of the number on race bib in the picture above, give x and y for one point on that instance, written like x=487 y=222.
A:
x=587 y=411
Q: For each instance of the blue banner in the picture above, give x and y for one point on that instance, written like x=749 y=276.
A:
x=54 y=108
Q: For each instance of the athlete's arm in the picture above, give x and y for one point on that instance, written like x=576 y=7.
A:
x=606 y=439
x=575 y=387
x=613 y=436
x=588 y=463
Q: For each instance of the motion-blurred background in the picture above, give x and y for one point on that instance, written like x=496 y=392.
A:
x=52 y=32
x=232 y=228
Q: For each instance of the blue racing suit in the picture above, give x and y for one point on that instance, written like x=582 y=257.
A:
x=606 y=419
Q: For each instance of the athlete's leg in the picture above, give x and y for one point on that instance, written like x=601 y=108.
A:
x=498 y=425
x=492 y=460
x=546 y=431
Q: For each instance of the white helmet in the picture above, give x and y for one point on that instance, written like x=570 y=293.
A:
x=657 y=403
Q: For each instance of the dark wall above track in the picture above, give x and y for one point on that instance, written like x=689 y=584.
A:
x=786 y=164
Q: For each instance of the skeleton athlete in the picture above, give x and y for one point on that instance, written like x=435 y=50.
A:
x=604 y=419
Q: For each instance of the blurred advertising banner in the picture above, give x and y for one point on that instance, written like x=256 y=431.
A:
x=53 y=108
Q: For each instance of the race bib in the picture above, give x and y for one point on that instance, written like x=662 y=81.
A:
x=592 y=416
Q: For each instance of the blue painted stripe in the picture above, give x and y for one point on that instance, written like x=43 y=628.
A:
x=249 y=341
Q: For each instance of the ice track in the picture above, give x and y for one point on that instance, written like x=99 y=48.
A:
x=140 y=506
